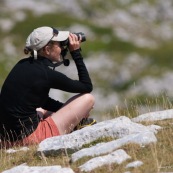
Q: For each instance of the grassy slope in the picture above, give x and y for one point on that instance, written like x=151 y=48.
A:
x=156 y=157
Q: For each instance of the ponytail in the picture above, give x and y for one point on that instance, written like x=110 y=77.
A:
x=26 y=50
x=33 y=53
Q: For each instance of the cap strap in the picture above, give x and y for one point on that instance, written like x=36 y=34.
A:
x=35 y=54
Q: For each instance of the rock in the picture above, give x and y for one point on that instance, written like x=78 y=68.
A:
x=38 y=169
x=154 y=116
x=10 y=150
x=118 y=157
x=134 y=164
x=116 y=128
x=154 y=128
x=141 y=138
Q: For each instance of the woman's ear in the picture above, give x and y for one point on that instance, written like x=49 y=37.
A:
x=47 y=50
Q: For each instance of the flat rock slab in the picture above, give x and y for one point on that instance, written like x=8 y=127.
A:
x=154 y=116
x=39 y=169
x=141 y=138
x=118 y=157
x=134 y=164
x=116 y=128
x=11 y=150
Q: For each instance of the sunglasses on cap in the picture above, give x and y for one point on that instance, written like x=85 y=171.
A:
x=62 y=43
x=55 y=32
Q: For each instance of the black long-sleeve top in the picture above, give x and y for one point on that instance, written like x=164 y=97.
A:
x=27 y=88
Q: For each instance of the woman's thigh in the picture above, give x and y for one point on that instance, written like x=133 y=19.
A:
x=75 y=109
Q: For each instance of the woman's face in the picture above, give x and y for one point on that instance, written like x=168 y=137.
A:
x=54 y=52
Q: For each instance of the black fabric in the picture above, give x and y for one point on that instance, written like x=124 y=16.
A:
x=27 y=87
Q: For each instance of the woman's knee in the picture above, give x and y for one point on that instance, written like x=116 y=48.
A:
x=89 y=99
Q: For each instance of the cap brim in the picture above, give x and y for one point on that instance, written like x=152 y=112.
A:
x=62 y=35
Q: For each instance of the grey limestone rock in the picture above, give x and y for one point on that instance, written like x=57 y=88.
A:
x=38 y=169
x=154 y=116
x=118 y=157
x=134 y=164
x=141 y=138
x=116 y=128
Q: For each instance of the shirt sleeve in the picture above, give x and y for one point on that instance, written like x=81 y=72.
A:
x=52 y=105
x=60 y=81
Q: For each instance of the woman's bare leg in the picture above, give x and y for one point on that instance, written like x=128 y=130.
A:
x=74 y=110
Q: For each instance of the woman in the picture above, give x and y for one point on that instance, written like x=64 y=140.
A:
x=27 y=114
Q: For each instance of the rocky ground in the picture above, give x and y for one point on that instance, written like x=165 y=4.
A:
x=125 y=131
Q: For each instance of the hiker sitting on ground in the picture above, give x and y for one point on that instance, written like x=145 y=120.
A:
x=27 y=114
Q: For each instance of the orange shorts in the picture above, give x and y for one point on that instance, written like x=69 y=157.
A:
x=45 y=129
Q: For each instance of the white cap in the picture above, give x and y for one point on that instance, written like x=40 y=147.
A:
x=42 y=35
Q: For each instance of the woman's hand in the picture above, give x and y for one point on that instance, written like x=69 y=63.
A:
x=74 y=43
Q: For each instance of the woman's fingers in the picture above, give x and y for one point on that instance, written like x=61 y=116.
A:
x=74 y=42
